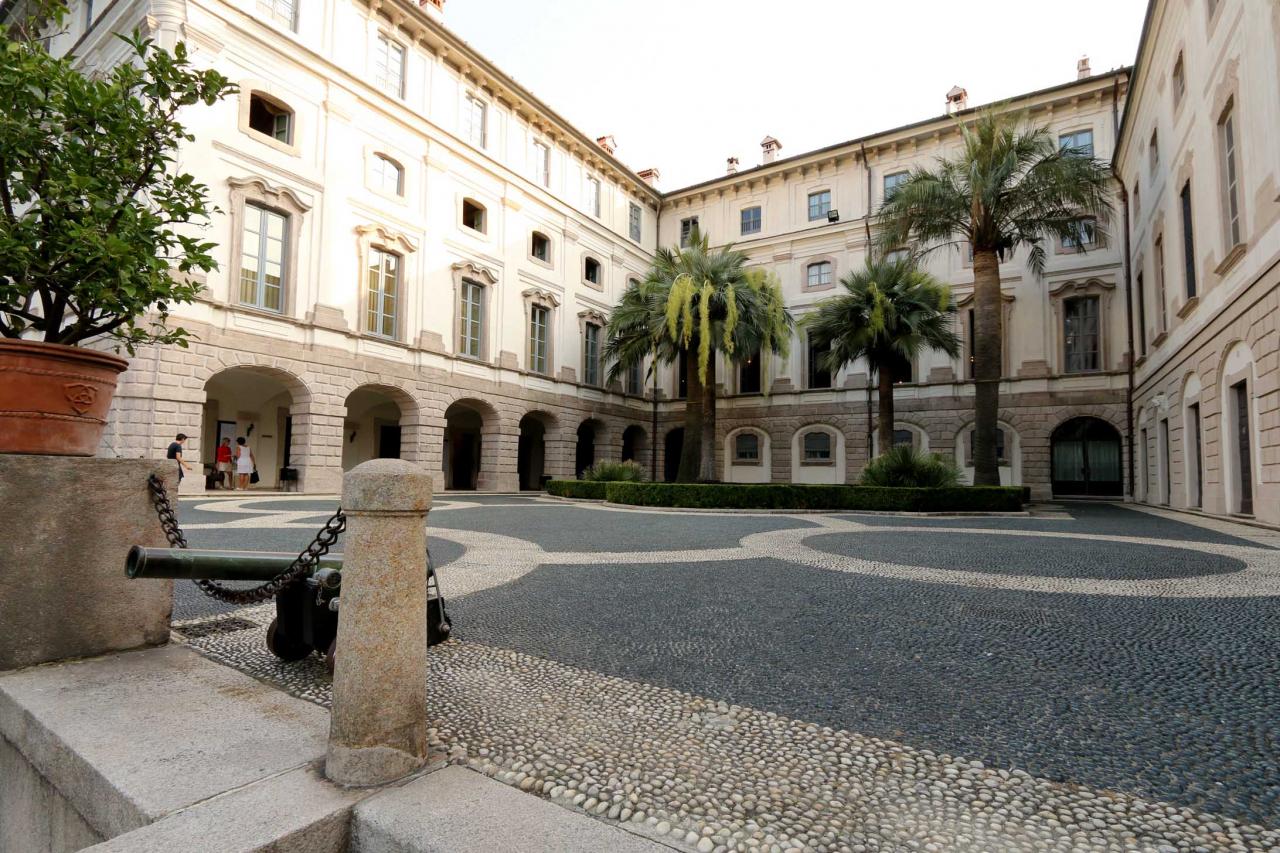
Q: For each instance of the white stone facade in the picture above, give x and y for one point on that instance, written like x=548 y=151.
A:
x=442 y=167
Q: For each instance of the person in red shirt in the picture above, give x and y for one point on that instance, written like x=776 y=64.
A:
x=223 y=465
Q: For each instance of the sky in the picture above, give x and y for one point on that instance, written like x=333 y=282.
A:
x=684 y=84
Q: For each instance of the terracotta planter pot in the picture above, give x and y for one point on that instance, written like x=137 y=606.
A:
x=54 y=398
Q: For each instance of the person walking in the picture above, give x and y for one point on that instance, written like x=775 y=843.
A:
x=224 y=466
x=245 y=463
x=175 y=452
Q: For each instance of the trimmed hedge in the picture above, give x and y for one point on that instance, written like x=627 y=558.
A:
x=792 y=496
x=586 y=489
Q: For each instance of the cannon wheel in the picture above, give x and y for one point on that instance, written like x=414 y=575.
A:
x=331 y=656
x=282 y=647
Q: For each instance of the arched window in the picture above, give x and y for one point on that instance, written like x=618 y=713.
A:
x=591 y=271
x=540 y=247
x=474 y=216
x=817 y=447
x=819 y=275
x=271 y=118
x=746 y=448
x=387 y=175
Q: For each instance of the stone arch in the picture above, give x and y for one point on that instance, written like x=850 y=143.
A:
x=537 y=451
x=1238 y=427
x=919 y=432
x=752 y=464
x=591 y=445
x=470 y=446
x=381 y=422
x=818 y=462
x=1086 y=458
x=635 y=445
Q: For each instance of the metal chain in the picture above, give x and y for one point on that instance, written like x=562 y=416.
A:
x=301 y=567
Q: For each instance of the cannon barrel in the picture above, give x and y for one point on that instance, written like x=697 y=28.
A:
x=200 y=564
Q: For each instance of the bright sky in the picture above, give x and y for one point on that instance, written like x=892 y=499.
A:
x=683 y=84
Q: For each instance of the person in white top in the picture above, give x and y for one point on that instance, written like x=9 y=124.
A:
x=245 y=463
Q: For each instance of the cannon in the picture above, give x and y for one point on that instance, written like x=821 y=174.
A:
x=306 y=610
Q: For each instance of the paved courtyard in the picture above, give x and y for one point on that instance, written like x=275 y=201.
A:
x=1090 y=677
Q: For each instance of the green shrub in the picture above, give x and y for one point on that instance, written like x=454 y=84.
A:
x=905 y=467
x=614 y=472
x=585 y=489
x=835 y=498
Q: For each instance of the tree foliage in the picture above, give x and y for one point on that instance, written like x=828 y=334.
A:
x=99 y=228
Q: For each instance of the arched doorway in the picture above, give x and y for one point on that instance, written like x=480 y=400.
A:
x=633 y=443
x=464 y=425
x=585 y=453
x=1086 y=454
x=371 y=428
x=254 y=404
x=531 y=452
x=671 y=450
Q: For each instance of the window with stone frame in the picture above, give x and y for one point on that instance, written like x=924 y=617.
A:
x=263 y=257
x=592 y=196
x=688 y=226
x=1188 y=241
x=634 y=378
x=1230 y=175
x=816 y=445
x=540 y=247
x=471 y=319
x=474 y=216
x=750 y=220
x=382 y=295
x=386 y=175
x=388 y=66
x=283 y=12
x=1162 y=301
x=819 y=274
x=746 y=448
x=749 y=375
x=539 y=338
x=1081 y=334
x=1077 y=142
x=592 y=271
x=540 y=155
x=591 y=354
x=819 y=375
x=634 y=221
x=893 y=181
x=819 y=205
x=475 y=121
x=271 y=118
x=1085 y=234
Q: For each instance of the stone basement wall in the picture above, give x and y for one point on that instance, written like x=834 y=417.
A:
x=163 y=392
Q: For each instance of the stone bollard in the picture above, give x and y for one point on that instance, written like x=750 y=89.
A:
x=378 y=729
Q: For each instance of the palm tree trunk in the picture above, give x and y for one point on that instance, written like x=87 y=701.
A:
x=690 y=460
x=707 y=448
x=884 y=417
x=986 y=366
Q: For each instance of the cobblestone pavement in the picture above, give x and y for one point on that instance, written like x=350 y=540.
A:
x=1091 y=677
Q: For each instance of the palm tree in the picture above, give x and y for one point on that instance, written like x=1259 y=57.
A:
x=698 y=302
x=1011 y=186
x=889 y=312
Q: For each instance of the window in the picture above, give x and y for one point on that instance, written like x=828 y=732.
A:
x=1188 y=241
x=751 y=220
x=591 y=270
x=283 y=12
x=388 y=66
x=1000 y=445
x=471 y=319
x=1196 y=478
x=1142 y=315
x=688 y=226
x=473 y=215
x=387 y=175
x=384 y=289
x=1161 y=302
x=1086 y=233
x=819 y=204
x=633 y=221
x=898 y=255
x=1078 y=142
x=1230 y=175
x=474 y=121
x=1179 y=82
x=819 y=373
x=902 y=369
x=592 y=199
x=1153 y=153
x=817 y=447
x=591 y=354
x=904 y=438
x=749 y=375
x=635 y=378
x=540 y=247
x=539 y=321
x=540 y=154
x=818 y=275
x=270 y=118
x=746 y=447
x=88 y=14
x=1080 y=334
x=682 y=375
x=892 y=182
x=262 y=258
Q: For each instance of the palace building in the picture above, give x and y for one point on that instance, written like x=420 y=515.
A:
x=417 y=258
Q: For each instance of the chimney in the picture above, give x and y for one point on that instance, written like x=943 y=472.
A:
x=770 y=148
x=1082 y=68
x=649 y=176
x=608 y=143
x=433 y=8
x=731 y=167
x=957 y=100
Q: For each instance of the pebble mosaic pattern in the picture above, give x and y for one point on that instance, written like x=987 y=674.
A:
x=602 y=707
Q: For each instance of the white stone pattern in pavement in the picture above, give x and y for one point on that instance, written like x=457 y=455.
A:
x=711 y=776
x=716 y=777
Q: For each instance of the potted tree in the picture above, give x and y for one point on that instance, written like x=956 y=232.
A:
x=99 y=231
